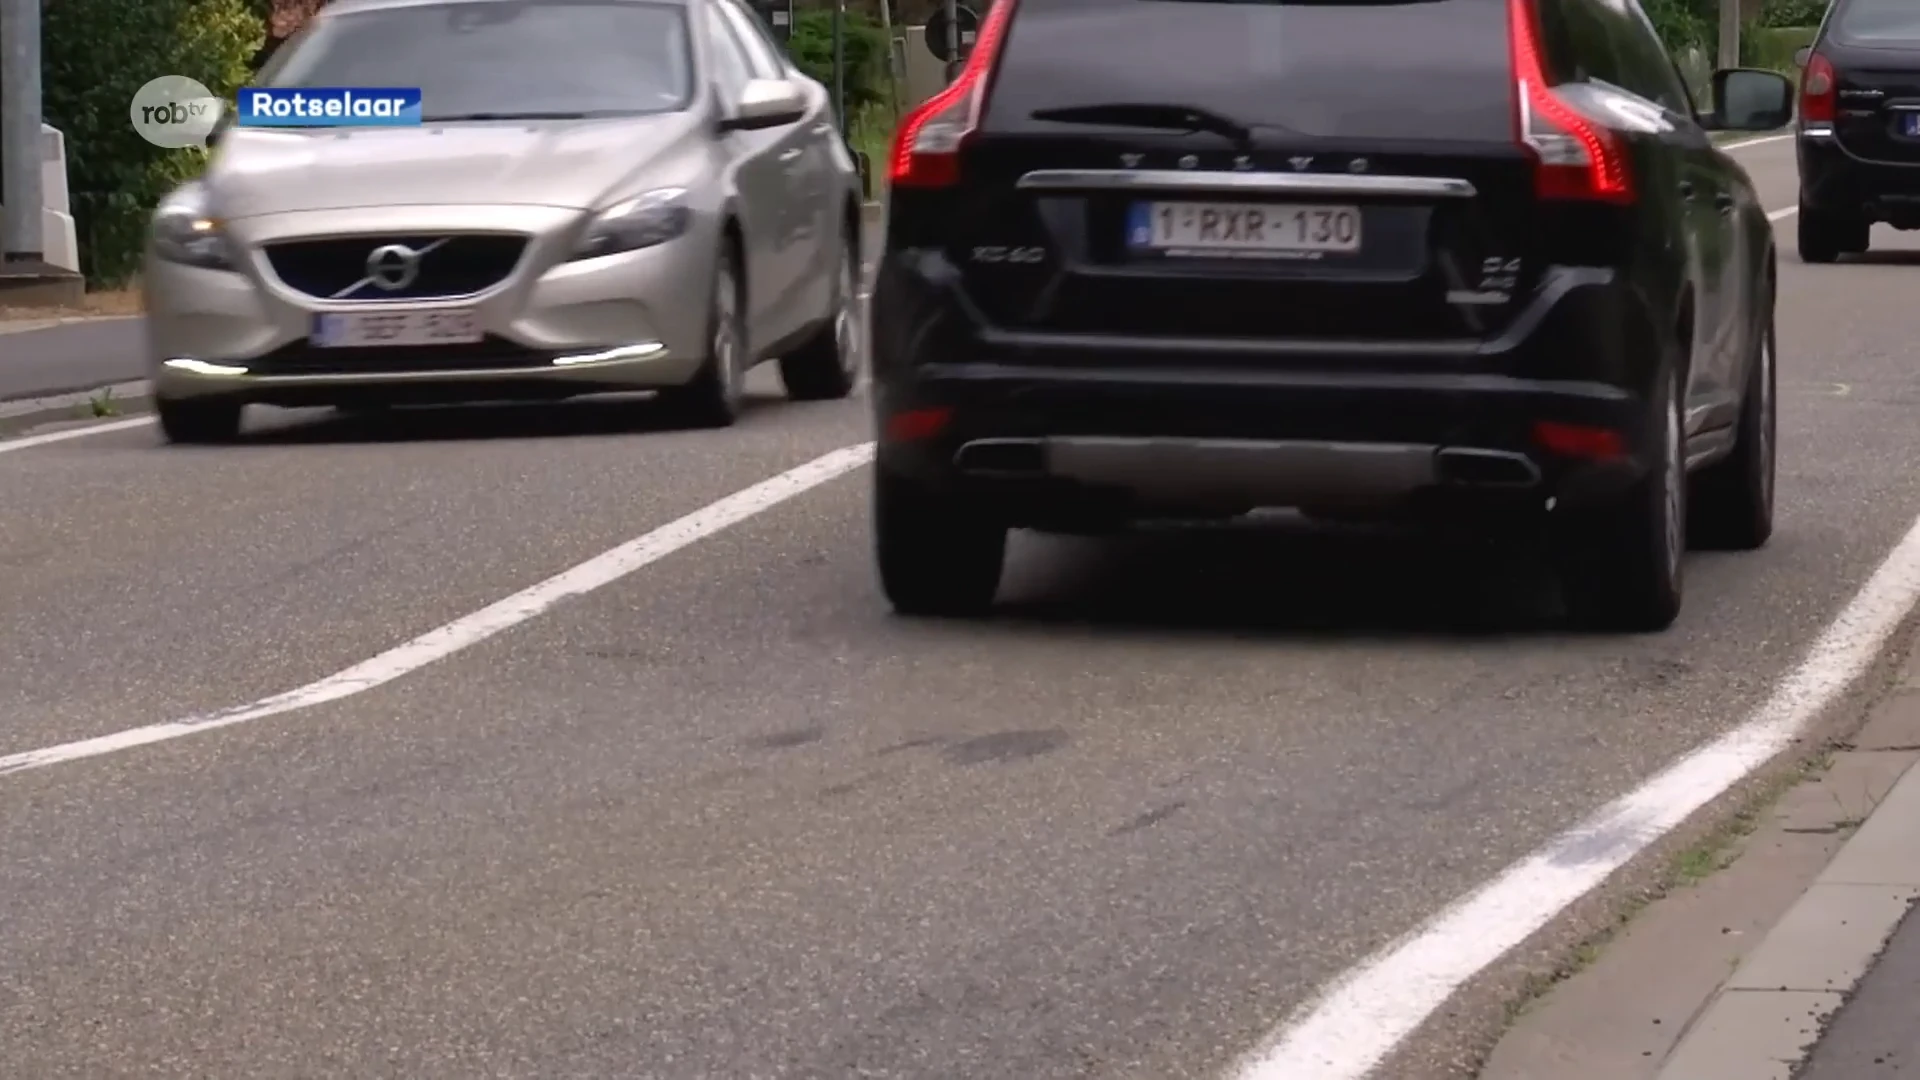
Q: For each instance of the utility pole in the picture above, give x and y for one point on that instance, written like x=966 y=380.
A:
x=21 y=155
x=953 y=39
x=1729 y=34
x=840 y=65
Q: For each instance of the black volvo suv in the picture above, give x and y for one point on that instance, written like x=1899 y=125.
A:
x=1152 y=259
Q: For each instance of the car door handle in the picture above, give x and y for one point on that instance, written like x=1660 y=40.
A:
x=823 y=129
x=1723 y=202
x=791 y=155
x=1687 y=190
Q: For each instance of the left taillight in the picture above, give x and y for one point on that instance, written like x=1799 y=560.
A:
x=1575 y=158
x=926 y=150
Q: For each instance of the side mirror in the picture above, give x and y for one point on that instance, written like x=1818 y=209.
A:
x=1747 y=99
x=766 y=103
x=1801 y=55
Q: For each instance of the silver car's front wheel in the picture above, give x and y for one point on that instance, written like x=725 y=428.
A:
x=712 y=399
x=828 y=365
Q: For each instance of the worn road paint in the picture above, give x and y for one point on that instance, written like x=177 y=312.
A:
x=443 y=641
x=1353 y=1025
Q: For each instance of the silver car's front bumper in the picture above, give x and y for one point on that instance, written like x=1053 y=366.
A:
x=634 y=320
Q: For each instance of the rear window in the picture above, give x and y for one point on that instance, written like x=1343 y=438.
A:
x=1869 y=21
x=1315 y=67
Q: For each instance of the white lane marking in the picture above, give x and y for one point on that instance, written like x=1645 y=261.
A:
x=1780 y=214
x=1352 y=1025
x=9 y=445
x=1761 y=141
x=441 y=642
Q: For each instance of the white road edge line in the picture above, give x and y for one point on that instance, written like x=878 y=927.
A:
x=471 y=629
x=31 y=441
x=1363 y=1016
x=1760 y=141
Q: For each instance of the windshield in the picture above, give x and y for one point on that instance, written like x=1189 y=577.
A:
x=491 y=59
x=1868 y=21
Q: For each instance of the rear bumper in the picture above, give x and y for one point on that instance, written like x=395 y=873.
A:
x=1044 y=425
x=1833 y=178
x=1168 y=442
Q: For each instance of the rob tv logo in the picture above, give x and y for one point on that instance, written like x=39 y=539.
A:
x=175 y=112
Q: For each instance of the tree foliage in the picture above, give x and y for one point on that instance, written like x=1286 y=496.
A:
x=96 y=55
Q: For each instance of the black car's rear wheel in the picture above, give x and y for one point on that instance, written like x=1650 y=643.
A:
x=1825 y=235
x=938 y=554
x=1731 y=505
x=198 y=421
x=1620 y=565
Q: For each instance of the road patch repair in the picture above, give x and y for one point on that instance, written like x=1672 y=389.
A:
x=1736 y=972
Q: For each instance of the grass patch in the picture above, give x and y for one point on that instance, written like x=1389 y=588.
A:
x=870 y=132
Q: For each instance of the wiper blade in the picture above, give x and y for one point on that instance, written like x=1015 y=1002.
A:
x=1171 y=117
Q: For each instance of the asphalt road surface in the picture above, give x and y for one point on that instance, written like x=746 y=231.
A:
x=724 y=816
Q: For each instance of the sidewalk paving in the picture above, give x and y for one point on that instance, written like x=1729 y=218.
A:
x=1832 y=992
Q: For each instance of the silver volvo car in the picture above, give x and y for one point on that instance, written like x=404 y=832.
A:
x=603 y=195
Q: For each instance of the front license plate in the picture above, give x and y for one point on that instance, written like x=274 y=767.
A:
x=375 y=329
x=1910 y=124
x=1243 y=230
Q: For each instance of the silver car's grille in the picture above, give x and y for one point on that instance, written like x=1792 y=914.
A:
x=412 y=267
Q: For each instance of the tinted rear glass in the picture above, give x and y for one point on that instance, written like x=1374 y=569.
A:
x=1405 y=68
x=1869 y=21
x=503 y=56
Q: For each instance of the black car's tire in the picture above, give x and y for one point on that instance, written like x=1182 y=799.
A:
x=828 y=364
x=712 y=397
x=198 y=422
x=1731 y=505
x=937 y=554
x=1825 y=235
x=1621 y=565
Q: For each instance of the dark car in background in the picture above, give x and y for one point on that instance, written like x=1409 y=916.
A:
x=1858 y=135
x=1153 y=259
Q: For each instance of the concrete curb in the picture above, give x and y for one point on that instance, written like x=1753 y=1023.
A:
x=1764 y=1021
x=28 y=326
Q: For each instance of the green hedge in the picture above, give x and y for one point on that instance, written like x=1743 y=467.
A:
x=97 y=54
x=864 y=55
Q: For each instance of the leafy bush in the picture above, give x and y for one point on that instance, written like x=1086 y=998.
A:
x=1684 y=24
x=1779 y=13
x=96 y=55
x=864 y=55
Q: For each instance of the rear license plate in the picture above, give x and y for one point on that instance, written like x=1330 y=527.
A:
x=1910 y=124
x=1243 y=230
x=375 y=329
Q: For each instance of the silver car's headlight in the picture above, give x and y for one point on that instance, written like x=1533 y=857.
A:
x=184 y=232
x=653 y=218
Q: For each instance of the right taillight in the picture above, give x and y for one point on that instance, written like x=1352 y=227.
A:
x=926 y=150
x=1817 y=90
x=1575 y=158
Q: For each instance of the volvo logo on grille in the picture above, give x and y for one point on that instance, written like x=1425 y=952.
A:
x=390 y=268
x=393 y=266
